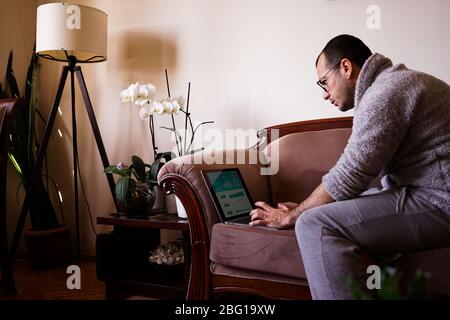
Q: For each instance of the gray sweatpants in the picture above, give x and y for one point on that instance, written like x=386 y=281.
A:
x=334 y=239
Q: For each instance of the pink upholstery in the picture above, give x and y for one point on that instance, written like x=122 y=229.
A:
x=257 y=249
x=303 y=159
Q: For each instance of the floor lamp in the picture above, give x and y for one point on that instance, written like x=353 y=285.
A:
x=73 y=34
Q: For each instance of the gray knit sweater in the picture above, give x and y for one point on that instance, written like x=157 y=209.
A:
x=401 y=130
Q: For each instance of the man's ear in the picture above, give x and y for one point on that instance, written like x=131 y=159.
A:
x=347 y=66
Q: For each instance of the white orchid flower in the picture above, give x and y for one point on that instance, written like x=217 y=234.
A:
x=145 y=112
x=157 y=107
x=150 y=89
x=181 y=101
x=141 y=96
x=175 y=106
x=129 y=93
x=168 y=106
x=125 y=96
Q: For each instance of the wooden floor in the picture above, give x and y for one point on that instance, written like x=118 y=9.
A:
x=50 y=284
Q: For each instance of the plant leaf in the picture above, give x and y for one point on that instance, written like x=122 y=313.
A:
x=21 y=152
x=139 y=167
x=132 y=186
x=153 y=173
x=32 y=102
x=115 y=170
x=11 y=78
x=166 y=156
x=122 y=188
x=418 y=288
x=2 y=93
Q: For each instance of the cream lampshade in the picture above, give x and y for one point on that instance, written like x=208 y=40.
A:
x=65 y=29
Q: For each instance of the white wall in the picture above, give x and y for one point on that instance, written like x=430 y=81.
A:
x=250 y=62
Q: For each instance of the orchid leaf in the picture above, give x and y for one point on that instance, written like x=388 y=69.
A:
x=158 y=164
x=139 y=167
x=153 y=173
x=122 y=188
x=132 y=185
x=121 y=172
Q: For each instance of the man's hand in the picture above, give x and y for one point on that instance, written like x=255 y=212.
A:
x=282 y=217
x=287 y=212
x=288 y=205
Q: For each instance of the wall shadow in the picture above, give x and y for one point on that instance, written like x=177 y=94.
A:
x=141 y=50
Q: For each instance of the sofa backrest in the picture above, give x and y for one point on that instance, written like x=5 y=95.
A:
x=303 y=159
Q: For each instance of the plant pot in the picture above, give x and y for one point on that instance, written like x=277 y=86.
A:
x=48 y=248
x=138 y=205
x=160 y=199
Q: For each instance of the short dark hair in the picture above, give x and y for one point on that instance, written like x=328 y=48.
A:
x=345 y=46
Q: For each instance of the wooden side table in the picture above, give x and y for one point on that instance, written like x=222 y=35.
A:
x=122 y=257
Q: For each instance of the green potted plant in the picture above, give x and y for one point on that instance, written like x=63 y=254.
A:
x=135 y=192
x=48 y=239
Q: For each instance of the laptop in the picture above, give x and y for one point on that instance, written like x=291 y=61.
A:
x=230 y=195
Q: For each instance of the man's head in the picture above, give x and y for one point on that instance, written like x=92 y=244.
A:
x=338 y=66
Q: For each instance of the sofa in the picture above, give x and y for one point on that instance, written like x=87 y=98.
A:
x=266 y=262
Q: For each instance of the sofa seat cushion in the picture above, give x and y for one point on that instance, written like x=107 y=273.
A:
x=257 y=248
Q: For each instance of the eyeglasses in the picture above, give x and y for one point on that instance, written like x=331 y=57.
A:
x=321 y=82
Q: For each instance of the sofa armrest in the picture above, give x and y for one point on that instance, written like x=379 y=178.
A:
x=199 y=275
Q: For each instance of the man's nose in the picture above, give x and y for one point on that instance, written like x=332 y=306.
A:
x=326 y=95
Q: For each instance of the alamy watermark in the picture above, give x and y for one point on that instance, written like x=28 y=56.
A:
x=374 y=280
x=74 y=20
x=374 y=19
x=74 y=280
x=232 y=146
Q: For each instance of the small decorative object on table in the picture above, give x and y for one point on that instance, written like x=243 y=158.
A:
x=170 y=254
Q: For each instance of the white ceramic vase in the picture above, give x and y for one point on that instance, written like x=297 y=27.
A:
x=174 y=205
x=180 y=208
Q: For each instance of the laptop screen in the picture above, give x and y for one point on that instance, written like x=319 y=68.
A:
x=229 y=192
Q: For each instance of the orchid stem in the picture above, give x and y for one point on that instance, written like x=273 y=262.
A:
x=152 y=133
x=186 y=119
x=176 y=137
x=167 y=82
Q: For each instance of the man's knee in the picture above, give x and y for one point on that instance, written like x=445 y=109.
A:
x=311 y=218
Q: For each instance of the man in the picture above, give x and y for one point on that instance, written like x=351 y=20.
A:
x=401 y=132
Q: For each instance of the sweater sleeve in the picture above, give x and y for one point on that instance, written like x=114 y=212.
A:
x=380 y=124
